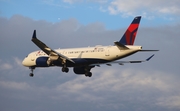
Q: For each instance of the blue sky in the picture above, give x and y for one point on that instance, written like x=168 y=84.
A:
x=88 y=11
x=150 y=86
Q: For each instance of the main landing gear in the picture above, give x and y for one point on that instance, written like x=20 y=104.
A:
x=32 y=69
x=88 y=74
x=65 y=69
x=87 y=71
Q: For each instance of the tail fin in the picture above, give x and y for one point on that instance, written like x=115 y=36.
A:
x=130 y=34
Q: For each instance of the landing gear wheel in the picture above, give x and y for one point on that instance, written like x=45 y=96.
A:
x=88 y=74
x=65 y=69
x=31 y=74
x=32 y=69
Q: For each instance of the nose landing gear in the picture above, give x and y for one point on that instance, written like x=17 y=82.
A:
x=32 y=69
x=31 y=74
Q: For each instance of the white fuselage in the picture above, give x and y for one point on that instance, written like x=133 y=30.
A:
x=101 y=54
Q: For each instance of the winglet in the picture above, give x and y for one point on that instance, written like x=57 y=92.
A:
x=34 y=34
x=149 y=58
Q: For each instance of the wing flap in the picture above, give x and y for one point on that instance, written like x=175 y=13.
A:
x=123 y=62
x=139 y=61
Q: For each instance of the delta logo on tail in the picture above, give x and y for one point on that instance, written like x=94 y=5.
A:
x=130 y=34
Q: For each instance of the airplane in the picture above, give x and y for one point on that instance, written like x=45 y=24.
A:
x=82 y=60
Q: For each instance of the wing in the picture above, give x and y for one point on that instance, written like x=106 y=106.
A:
x=123 y=62
x=49 y=51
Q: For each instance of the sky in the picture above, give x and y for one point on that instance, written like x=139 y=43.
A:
x=152 y=85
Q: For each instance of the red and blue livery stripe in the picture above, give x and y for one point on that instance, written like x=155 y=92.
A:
x=129 y=36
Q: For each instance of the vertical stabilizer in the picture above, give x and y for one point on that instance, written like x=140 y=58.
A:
x=129 y=36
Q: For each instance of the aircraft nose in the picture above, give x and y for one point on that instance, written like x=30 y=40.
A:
x=24 y=62
x=28 y=62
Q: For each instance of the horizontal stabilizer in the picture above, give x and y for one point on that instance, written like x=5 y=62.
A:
x=147 y=50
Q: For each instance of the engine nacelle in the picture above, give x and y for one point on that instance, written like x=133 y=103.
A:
x=52 y=58
x=42 y=62
x=82 y=70
x=79 y=70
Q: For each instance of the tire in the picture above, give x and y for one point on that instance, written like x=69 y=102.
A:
x=31 y=74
